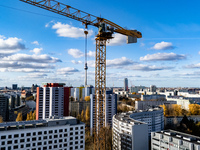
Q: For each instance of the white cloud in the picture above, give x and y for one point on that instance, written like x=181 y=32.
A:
x=118 y=39
x=163 y=57
x=34 y=75
x=10 y=45
x=199 y=52
x=142 y=67
x=76 y=62
x=114 y=63
x=66 y=30
x=91 y=54
x=76 y=53
x=163 y=46
x=66 y=71
x=36 y=50
x=31 y=58
x=20 y=65
x=193 y=66
x=119 y=62
x=35 y=43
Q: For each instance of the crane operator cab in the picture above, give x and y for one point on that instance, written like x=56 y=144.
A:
x=105 y=31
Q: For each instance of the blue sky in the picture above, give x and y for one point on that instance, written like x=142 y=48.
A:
x=39 y=46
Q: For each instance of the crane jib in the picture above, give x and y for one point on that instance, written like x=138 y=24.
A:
x=85 y=18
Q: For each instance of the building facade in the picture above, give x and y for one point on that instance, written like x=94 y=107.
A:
x=4 y=107
x=129 y=134
x=111 y=108
x=52 y=100
x=142 y=105
x=125 y=84
x=173 y=140
x=154 y=117
x=56 y=133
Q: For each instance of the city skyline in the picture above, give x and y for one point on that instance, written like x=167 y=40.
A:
x=39 y=46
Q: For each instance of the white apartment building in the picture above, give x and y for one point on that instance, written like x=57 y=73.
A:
x=111 y=108
x=129 y=134
x=173 y=140
x=180 y=101
x=142 y=105
x=50 y=101
x=66 y=133
x=154 y=117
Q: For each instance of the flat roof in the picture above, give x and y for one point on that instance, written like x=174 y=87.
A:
x=182 y=136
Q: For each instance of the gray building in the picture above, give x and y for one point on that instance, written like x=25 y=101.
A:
x=76 y=107
x=173 y=140
x=54 y=133
x=14 y=86
x=153 y=97
x=142 y=105
x=129 y=134
x=125 y=84
x=4 y=107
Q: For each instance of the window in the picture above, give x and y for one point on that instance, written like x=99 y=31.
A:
x=34 y=139
x=50 y=131
x=71 y=143
x=16 y=136
x=71 y=133
x=3 y=137
x=3 y=143
x=65 y=135
x=34 y=133
x=9 y=142
x=76 y=137
x=60 y=130
x=28 y=145
x=81 y=146
x=15 y=147
x=76 y=147
x=40 y=133
x=71 y=128
x=76 y=133
x=71 y=138
x=10 y=136
x=21 y=140
x=28 y=134
x=76 y=142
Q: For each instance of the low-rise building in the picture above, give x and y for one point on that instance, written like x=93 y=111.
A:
x=142 y=105
x=66 y=133
x=173 y=140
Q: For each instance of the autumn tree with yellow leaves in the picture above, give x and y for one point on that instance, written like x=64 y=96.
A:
x=87 y=98
x=19 y=117
x=31 y=116
x=194 y=109
x=1 y=119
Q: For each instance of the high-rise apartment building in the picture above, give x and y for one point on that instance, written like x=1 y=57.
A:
x=14 y=86
x=154 y=117
x=52 y=100
x=110 y=108
x=54 y=133
x=129 y=134
x=125 y=84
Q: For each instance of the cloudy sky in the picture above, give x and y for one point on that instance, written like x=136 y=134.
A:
x=39 y=46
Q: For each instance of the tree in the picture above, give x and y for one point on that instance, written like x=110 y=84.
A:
x=87 y=115
x=1 y=119
x=87 y=98
x=164 y=109
x=19 y=117
x=30 y=98
x=82 y=116
x=28 y=117
x=194 y=109
x=34 y=115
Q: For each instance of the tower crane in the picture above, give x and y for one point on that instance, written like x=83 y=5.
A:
x=105 y=30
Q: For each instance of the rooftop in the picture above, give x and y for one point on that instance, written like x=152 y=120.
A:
x=124 y=117
x=53 y=121
x=181 y=135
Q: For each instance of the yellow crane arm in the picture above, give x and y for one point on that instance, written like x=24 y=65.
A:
x=85 y=18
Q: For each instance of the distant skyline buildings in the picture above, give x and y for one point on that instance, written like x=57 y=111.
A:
x=125 y=84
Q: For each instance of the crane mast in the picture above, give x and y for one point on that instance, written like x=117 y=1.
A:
x=106 y=29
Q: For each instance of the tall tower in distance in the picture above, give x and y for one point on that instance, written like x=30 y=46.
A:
x=125 y=84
